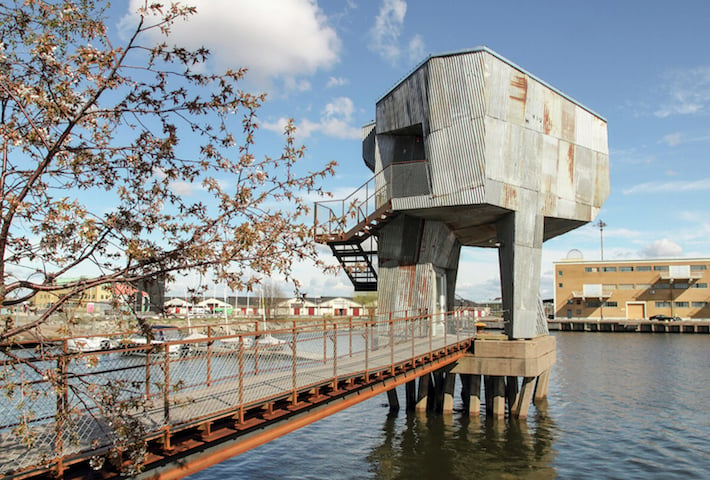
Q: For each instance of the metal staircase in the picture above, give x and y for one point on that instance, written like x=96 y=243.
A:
x=349 y=226
x=356 y=250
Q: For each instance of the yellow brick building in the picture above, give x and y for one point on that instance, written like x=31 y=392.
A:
x=632 y=289
x=99 y=294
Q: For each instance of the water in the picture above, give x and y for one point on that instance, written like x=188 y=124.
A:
x=620 y=406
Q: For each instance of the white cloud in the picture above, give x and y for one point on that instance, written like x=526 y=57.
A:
x=673 y=139
x=674 y=186
x=335 y=121
x=688 y=92
x=416 y=49
x=385 y=33
x=677 y=138
x=336 y=82
x=272 y=38
x=183 y=188
x=663 y=248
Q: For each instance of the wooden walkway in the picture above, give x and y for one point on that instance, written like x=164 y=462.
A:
x=206 y=416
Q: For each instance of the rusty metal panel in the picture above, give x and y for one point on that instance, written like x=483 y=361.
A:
x=565 y=171
x=601 y=179
x=583 y=175
x=568 y=121
x=456 y=90
x=496 y=91
x=406 y=105
x=457 y=157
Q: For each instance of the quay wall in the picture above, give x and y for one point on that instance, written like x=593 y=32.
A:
x=639 y=326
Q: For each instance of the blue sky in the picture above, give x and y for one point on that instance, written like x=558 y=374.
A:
x=643 y=65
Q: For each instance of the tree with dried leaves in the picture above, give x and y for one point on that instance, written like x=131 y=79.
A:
x=96 y=138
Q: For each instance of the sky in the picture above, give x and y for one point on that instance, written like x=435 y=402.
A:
x=642 y=65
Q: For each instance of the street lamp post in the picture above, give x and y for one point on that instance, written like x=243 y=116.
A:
x=601 y=226
x=600 y=223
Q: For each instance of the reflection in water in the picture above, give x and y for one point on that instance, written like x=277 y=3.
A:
x=621 y=406
x=458 y=447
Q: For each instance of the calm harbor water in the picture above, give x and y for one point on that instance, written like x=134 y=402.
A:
x=620 y=406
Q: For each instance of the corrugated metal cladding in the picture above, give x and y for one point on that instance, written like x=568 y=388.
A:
x=406 y=105
x=368 y=145
x=409 y=283
x=456 y=155
x=456 y=90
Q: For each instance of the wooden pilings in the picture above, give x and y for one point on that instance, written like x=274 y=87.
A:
x=513 y=374
x=503 y=394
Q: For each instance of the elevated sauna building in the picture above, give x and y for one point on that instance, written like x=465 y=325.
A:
x=475 y=151
x=471 y=150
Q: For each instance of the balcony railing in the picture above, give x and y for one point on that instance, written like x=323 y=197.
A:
x=405 y=179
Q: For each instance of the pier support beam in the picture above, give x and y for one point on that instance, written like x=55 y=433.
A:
x=449 y=382
x=498 y=360
x=393 y=400
x=520 y=409
x=410 y=394
x=520 y=236
x=511 y=392
x=495 y=395
x=423 y=393
x=543 y=383
x=471 y=393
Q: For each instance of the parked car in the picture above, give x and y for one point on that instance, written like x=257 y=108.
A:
x=664 y=318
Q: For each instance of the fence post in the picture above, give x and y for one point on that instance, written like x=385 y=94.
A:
x=62 y=404
x=294 y=394
x=325 y=341
x=413 y=326
x=367 y=351
x=335 y=356
x=350 y=335
x=209 y=355
x=166 y=384
x=391 y=344
x=240 y=363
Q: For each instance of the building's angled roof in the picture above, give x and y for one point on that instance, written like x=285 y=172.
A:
x=500 y=57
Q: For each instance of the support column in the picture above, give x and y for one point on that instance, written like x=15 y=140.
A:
x=524 y=398
x=543 y=382
x=520 y=235
x=423 y=393
x=488 y=391
x=410 y=394
x=511 y=392
x=436 y=403
x=498 y=384
x=471 y=393
x=393 y=400
x=449 y=382
x=412 y=252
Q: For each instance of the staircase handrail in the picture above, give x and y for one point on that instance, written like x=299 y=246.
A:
x=357 y=207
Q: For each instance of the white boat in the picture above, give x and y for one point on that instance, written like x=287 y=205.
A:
x=269 y=341
x=88 y=344
x=161 y=334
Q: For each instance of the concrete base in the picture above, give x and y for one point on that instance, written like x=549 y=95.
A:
x=501 y=362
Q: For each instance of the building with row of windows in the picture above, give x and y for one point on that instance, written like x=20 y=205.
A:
x=632 y=289
x=146 y=295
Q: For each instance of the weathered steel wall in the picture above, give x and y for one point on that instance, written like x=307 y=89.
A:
x=410 y=253
x=511 y=162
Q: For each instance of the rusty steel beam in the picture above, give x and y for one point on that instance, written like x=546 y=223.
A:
x=289 y=422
